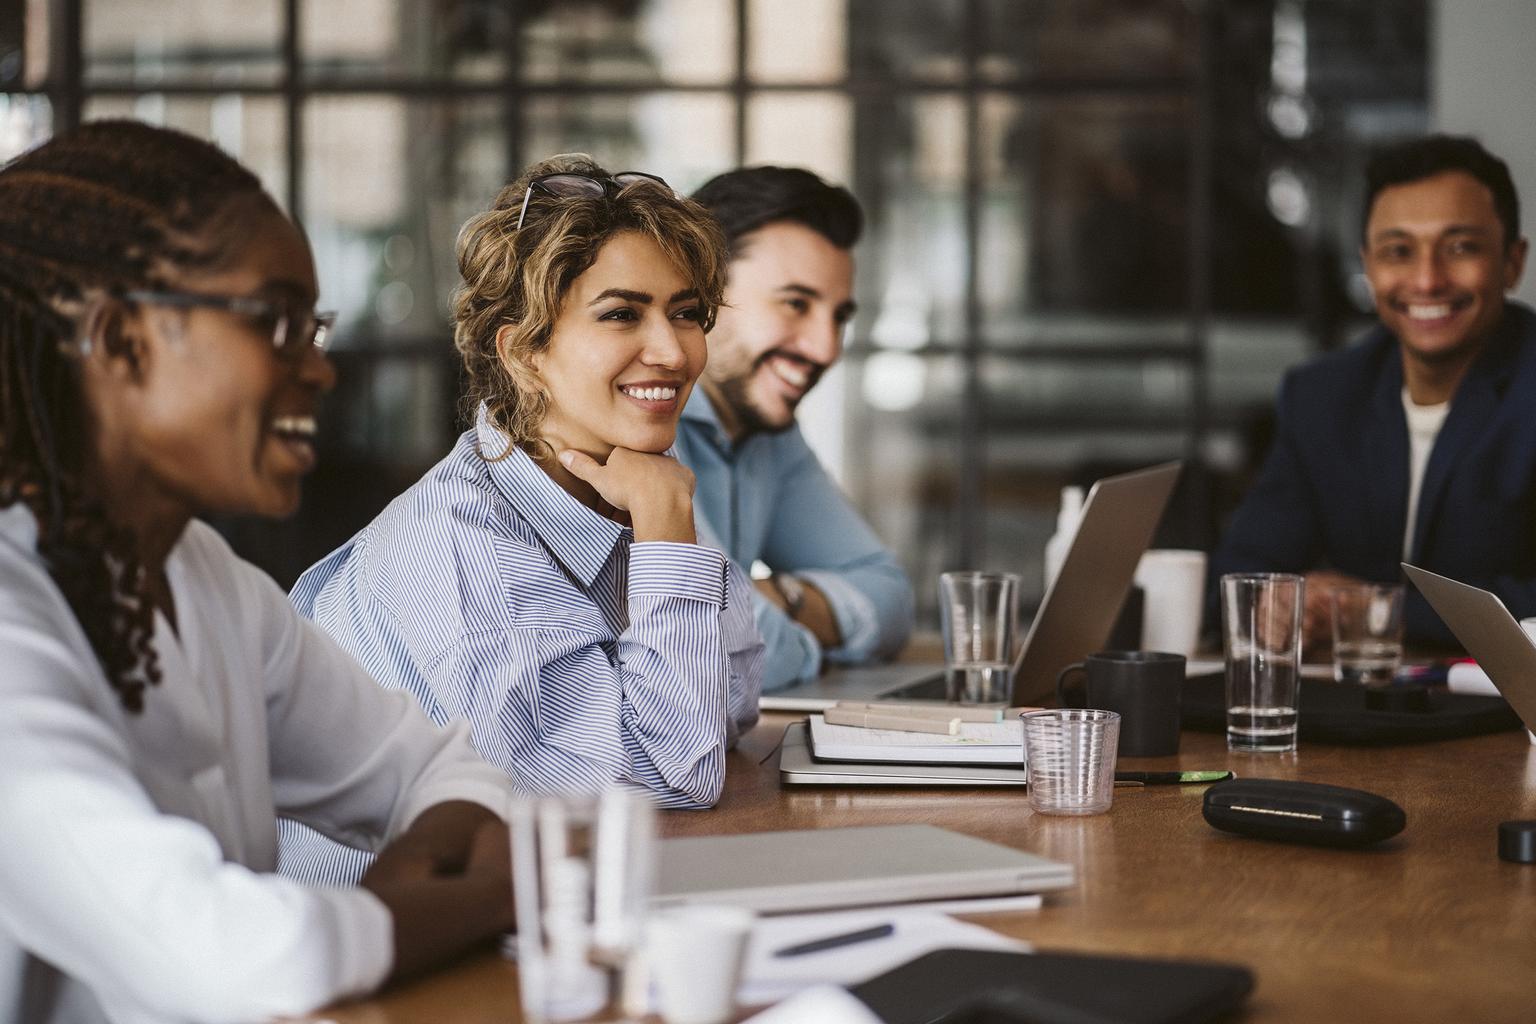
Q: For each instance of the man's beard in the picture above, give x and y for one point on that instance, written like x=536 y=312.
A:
x=752 y=419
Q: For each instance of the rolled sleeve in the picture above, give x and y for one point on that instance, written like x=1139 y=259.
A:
x=857 y=618
x=816 y=534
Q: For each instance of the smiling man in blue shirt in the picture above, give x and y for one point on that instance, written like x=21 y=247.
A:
x=836 y=592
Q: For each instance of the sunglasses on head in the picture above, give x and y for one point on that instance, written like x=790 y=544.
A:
x=567 y=184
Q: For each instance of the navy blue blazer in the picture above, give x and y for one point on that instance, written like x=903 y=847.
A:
x=1334 y=490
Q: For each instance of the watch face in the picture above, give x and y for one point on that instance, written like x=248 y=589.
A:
x=791 y=590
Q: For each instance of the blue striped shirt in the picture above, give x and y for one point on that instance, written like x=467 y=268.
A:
x=579 y=657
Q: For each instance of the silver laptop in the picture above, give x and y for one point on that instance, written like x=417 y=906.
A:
x=1489 y=633
x=822 y=868
x=1074 y=620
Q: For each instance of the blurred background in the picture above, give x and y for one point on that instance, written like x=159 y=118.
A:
x=1099 y=229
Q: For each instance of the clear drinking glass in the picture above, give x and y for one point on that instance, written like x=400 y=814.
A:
x=978 y=612
x=1261 y=624
x=1367 y=632
x=582 y=871
x=1069 y=755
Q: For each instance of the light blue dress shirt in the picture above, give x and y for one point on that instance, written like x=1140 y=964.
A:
x=579 y=657
x=769 y=498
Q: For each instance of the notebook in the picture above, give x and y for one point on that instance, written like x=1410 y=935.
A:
x=994 y=743
x=798 y=768
x=818 y=869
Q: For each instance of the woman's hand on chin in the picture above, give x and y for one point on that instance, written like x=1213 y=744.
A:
x=656 y=490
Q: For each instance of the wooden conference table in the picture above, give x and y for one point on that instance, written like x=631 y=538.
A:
x=1430 y=926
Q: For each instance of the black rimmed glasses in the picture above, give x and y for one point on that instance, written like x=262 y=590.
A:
x=294 y=330
x=565 y=184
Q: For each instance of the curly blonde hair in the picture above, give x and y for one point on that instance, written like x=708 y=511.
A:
x=520 y=277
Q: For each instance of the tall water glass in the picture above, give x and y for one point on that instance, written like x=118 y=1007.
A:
x=978 y=611
x=1261 y=616
x=582 y=871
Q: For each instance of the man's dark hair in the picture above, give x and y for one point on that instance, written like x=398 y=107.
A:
x=744 y=200
x=1406 y=162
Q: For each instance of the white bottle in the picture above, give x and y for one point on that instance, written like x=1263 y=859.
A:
x=1066 y=528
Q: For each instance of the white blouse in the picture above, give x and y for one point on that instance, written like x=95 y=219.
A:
x=136 y=850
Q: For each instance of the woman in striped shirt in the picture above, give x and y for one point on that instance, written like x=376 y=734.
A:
x=544 y=581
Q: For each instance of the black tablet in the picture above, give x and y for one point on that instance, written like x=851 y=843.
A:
x=968 y=986
x=1329 y=712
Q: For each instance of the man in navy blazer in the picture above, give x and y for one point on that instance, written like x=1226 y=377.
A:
x=1418 y=442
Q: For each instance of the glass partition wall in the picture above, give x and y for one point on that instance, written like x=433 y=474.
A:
x=1098 y=229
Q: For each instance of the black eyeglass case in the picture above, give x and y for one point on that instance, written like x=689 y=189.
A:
x=1302 y=812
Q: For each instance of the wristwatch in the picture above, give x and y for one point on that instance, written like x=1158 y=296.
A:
x=792 y=591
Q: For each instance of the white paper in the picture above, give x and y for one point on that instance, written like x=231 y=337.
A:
x=972 y=734
x=768 y=978
x=1469 y=677
x=825 y=1004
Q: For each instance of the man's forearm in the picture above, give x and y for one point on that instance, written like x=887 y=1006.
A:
x=805 y=604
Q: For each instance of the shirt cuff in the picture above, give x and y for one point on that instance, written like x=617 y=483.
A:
x=669 y=569
x=365 y=952
x=793 y=652
x=855 y=613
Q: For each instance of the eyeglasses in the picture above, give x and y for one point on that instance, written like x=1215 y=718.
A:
x=294 y=331
x=565 y=184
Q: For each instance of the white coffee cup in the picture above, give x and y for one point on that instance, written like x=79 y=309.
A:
x=694 y=955
x=1173 y=589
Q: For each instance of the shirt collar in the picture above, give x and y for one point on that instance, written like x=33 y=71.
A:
x=702 y=411
x=580 y=539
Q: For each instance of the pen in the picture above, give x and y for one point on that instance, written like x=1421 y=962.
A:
x=1171 y=778
x=898 y=723
x=945 y=711
x=879 y=931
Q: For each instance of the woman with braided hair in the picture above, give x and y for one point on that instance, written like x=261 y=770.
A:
x=160 y=700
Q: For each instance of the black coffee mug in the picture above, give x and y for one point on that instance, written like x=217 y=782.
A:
x=1145 y=687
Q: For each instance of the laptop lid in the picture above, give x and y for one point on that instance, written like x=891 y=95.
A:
x=1080 y=608
x=1119 y=517
x=845 y=867
x=1489 y=633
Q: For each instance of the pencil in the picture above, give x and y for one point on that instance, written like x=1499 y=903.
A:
x=899 y=723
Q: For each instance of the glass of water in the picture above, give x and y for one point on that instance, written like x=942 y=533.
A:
x=978 y=612
x=1367 y=632
x=1261 y=615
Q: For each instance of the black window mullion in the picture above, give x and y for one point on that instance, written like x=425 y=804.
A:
x=66 y=64
x=1198 y=258
x=293 y=115
x=971 y=433
x=740 y=85
x=513 y=94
